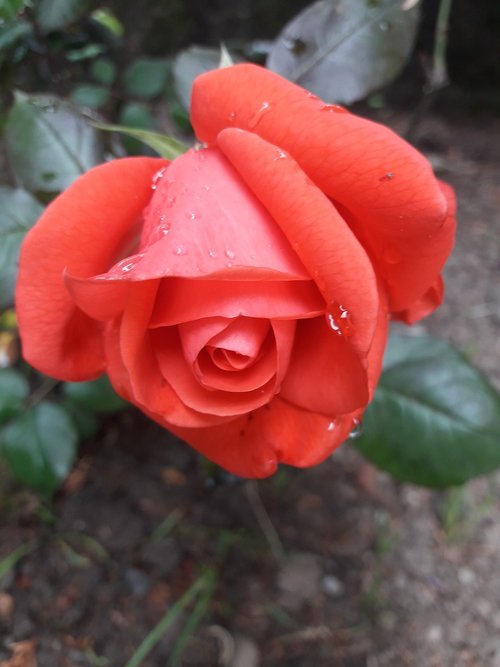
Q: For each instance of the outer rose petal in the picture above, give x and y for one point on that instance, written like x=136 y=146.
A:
x=387 y=185
x=316 y=231
x=81 y=232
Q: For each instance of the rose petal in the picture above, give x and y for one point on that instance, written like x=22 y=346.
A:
x=149 y=388
x=254 y=444
x=182 y=300
x=180 y=375
x=321 y=238
x=325 y=374
x=81 y=231
x=215 y=228
x=387 y=185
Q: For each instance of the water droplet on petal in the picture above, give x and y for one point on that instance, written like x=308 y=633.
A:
x=191 y=215
x=280 y=155
x=339 y=320
x=312 y=96
x=179 y=250
x=257 y=117
x=230 y=254
x=331 y=426
x=157 y=178
x=231 y=116
x=212 y=253
x=357 y=429
x=386 y=177
x=206 y=188
x=334 y=108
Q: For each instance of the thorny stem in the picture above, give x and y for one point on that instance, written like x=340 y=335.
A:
x=267 y=527
x=438 y=77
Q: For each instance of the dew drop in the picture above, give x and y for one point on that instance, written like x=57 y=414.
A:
x=257 y=117
x=333 y=108
x=280 y=155
x=311 y=96
x=157 y=178
x=387 y=177
x=339 y=320
x=179 y=250
x=206 y=188
x=212 y=253
x=357 y=429
x=191 y=215
x=331 y=426
x=231 y=116
x=229 y=264
x=230 y=254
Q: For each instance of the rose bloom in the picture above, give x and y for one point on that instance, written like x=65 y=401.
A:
x=240 y=294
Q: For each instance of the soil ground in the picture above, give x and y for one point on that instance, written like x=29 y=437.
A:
x=374 y=573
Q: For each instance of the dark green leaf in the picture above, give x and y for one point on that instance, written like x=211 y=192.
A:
x=85 y=421
x=167 y=147
x=57 y=14
x=103 y=71
x=145 y=77
x=89 y=95
x=435 y=420
x=96 y=396
x=342 y=50
x=18 y=212
x=12 y=32
x=188 y=65
x=49 y=143
x=40 y=446
x=9 y=8
x=14 y=391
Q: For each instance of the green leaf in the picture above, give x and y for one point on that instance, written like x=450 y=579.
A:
x=18 y=212
x=96 y=396
x=49 y=143
x=57 y=14
x=85 y=421
x=165 y=146
x=107 y=19
x=145 y=77
x=189 y=64
x=435 y=420
x=40 y=446
x=342 y=50
x=9 y=8
x=103 y=71
x=89 y=95
x=13 y=31
x=14 y=390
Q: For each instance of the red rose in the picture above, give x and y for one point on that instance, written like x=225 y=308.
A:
x=239 y=295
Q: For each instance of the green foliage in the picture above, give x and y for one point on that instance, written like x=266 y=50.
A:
x=9 y=8
x=40 y=446
x=342 y=51
x=49 y=143
x=103 y=71
x=435 y=420
x=167 y=147
x=14 y=390
x=145 y=77
x=18 y=212
x=89 y=95
x=58 y=14
x=97 y=396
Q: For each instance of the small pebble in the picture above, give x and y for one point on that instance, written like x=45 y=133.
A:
x=332 y=586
